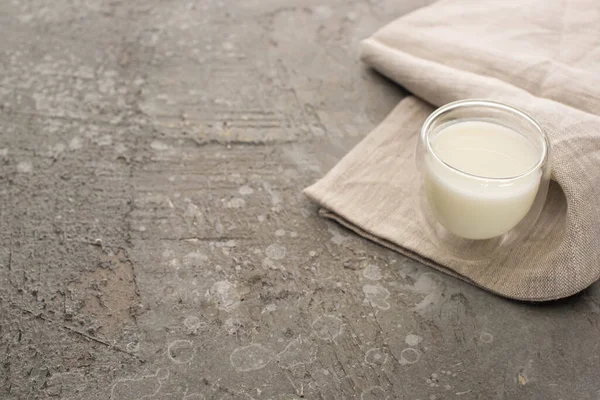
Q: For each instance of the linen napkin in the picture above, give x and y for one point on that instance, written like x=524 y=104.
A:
x=542 y=56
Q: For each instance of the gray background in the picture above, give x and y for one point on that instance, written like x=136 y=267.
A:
x=154 y=240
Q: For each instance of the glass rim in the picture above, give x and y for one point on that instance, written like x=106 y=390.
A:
x=491 y=104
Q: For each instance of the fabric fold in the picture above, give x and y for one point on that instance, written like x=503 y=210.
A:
x=540 y=56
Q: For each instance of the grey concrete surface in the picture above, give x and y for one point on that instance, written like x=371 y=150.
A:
x=154 y=241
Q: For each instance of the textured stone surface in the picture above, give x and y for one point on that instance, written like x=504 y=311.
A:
x=155 y=243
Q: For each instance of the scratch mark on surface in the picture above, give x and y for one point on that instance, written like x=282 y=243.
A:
x=75 y=331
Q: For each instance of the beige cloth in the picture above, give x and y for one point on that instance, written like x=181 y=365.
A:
x=542 y=56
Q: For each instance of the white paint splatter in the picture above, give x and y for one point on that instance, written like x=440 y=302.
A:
x=250 y=358
x=192 y=323
x=486 y=337
x=133 y=347
x=376 y=357
x=275 y=251
x=180 y=351
x=245 y=190
x=409 y=356
x=168 y=290
x=428 y=282
x=25 y=167
x=328 y=327
x=432 y=287
x=372 y=272
x=225 y=295
x=159 y=146
x=280 y=232
x=76 y=143
x=136 y=388
x=377 y=296
x=236 y=202
x=430 y=300
x=413 y=340
x=336 y=235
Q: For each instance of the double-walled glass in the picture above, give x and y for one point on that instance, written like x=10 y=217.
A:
x=465 y=211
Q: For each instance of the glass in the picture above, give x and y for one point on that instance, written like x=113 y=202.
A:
x=483 y=176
